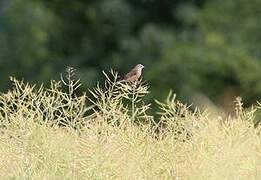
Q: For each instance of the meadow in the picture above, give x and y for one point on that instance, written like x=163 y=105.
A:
x=56 y=132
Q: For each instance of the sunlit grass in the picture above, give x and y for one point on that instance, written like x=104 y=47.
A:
x=55 y=134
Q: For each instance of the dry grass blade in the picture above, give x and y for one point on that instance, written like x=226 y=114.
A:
x=52 y=133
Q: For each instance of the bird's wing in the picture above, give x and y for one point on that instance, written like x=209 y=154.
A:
x=130 y=74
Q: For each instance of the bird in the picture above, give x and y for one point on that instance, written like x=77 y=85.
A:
x=134 y=75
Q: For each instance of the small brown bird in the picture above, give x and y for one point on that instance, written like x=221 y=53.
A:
x=134 y=75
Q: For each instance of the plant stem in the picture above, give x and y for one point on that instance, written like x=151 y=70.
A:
x=133 y=105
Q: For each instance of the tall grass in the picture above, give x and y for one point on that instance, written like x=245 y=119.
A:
x=49 y=133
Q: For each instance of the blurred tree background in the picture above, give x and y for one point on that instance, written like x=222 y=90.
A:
x=209 y=47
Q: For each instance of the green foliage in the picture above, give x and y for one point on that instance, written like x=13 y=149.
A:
x=24 y=39
x=207 y=47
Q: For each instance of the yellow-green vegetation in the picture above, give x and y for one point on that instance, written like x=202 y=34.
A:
x=48 y=133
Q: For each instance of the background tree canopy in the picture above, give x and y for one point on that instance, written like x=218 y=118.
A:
x=209 y=47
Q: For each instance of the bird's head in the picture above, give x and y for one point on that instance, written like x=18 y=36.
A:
x=139 y=66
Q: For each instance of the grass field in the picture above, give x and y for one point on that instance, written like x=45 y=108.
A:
x=48 y=133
